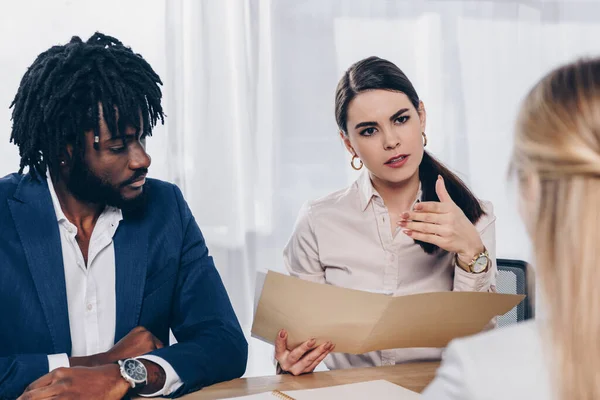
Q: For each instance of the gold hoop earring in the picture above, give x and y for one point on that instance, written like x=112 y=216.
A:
x=424 y=139
x=354 y=157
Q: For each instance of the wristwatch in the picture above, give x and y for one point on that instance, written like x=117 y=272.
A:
x=479 y=263
x=134 y=372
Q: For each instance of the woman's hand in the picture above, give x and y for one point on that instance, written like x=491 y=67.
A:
x=304 y=358
x=443 y=224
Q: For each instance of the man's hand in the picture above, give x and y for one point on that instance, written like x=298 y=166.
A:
x=138 y=342
x=104 y=382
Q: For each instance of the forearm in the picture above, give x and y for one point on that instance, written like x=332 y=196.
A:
x=206 y=359
x=91 y=361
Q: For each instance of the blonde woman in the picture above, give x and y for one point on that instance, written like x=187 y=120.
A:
x=557 y=160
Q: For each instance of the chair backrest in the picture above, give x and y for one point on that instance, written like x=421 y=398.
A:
x=512 y=279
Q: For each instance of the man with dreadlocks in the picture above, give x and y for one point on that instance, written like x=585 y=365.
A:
x=92 y=252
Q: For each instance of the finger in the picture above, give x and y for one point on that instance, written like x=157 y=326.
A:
x=157 y=343
x=309 y=358
x=45 y=392
x=432 y=207
x=442 y=192
x=426 y=237
x=44 y=380
x=281 y=344
x=314 y=354
x=316 y=362
x=431 y=218
x=299 y=351
x=424 y=227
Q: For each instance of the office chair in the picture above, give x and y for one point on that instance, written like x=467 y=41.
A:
x=512 y=279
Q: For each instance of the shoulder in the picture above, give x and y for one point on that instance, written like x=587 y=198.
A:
x=510 y=360
x=163 y=193
x=345 y=199
x=507 y=341
x=9 y=184
x=165 y=201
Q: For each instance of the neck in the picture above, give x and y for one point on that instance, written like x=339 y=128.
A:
x=397 y=196
x=81 y=214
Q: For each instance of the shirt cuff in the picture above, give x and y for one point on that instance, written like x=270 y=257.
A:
x=469 y=282
x=58 y=361
x=172 y=380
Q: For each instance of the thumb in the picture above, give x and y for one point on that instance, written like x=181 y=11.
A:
x=440 y=189
x=281 y=343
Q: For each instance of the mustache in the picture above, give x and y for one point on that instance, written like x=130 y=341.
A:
x=137 y=175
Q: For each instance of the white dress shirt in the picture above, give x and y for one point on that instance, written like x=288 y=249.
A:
x=506 y=363
x=344 y=239
x=91 y=296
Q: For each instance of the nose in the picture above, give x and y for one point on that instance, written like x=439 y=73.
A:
x=390 y=139
x=139 y=158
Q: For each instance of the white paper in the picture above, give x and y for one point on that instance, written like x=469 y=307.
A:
x=379 y=390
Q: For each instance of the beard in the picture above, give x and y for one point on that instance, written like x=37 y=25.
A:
x=91 y=188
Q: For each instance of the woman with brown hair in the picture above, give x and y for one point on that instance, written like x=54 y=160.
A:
x=407 y=225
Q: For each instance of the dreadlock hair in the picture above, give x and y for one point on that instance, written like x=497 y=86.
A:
x=60 y=95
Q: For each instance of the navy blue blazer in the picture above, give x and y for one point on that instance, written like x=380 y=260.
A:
x=165 y=279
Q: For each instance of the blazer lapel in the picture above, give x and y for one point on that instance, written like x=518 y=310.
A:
x=35 y=220
x=131 y=257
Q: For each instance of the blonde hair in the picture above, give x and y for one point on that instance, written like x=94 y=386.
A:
x=557 y=144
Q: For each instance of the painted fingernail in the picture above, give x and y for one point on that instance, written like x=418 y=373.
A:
x=311 y=342
x=402 y=223
x=405 y=215
x=407 y=232
x=418 y=206
x=282 y=333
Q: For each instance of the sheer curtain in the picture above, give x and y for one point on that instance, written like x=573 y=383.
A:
x=251 y=85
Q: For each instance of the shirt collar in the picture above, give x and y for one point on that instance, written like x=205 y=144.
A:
x=367 y=191
x=113 y=214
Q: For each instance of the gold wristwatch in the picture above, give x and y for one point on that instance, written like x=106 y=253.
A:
x=480 y=262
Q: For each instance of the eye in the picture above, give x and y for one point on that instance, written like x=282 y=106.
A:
x=117 y=149
x=402 y=119
x=368 y=132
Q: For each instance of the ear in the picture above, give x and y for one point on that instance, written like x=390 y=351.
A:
x=347 y=143
x=68 y=154
x=422 y=116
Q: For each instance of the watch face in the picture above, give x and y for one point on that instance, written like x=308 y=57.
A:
x=136 y=370
x=480 y=264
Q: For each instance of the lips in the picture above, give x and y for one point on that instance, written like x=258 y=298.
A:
x=397 y=158
x=141 y=178
x=137 y=182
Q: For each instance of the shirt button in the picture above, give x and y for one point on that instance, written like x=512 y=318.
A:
x=89 y=307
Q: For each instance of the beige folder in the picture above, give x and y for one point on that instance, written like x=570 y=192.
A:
x=359 y=322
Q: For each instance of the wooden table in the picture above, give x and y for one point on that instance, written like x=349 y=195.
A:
x=413 y=376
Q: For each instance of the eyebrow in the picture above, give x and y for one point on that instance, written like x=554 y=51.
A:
x=372 y=123
x=127 y=137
